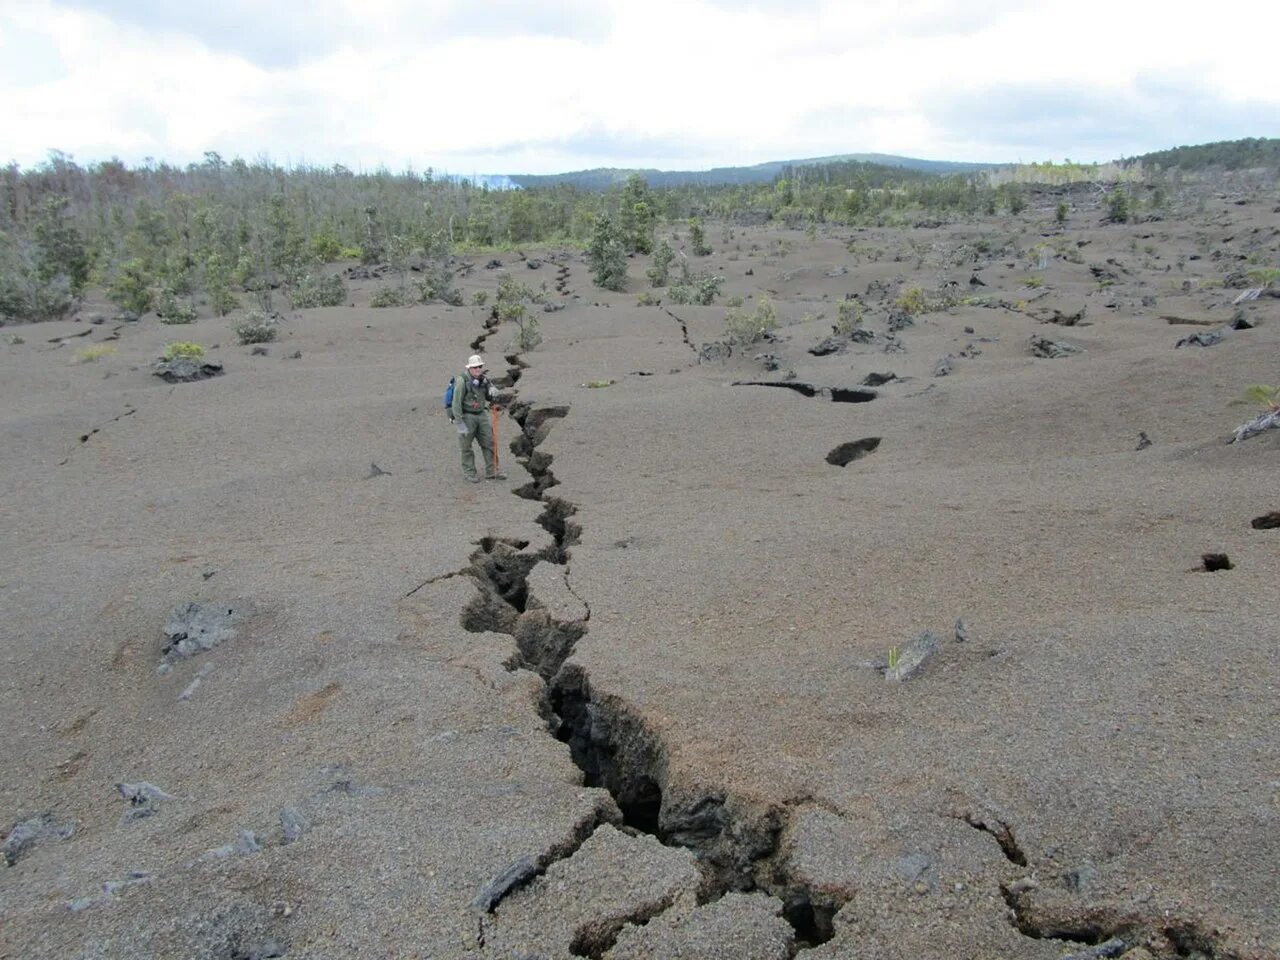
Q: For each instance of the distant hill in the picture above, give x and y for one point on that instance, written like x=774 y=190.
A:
x=605 y=178
x=1227 y=154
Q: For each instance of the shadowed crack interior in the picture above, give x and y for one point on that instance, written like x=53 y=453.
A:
x=846 y=453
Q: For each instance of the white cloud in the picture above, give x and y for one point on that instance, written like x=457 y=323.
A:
x=516 y=86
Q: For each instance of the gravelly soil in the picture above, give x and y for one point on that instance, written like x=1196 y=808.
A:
x=642 y=708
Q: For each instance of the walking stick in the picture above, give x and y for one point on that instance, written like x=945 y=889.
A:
x=493 y=420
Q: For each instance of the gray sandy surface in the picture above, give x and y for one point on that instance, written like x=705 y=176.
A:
x=645 y=707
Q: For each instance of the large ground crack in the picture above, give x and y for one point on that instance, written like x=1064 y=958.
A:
x=1109 y=930
x=737 y=840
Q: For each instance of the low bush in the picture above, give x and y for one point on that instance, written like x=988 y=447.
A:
x=745 y=329
x=90 y=354
x=172 y=310
x=256 y=327
x=390 y=297
x=912 y=301
x=192 y=351
x=848 y=317
x=316 y=291
x=699 y=288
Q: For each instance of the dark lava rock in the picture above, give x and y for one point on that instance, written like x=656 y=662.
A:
x=1213 y=562
x=715 y=350
x=1143 y=440
x=493 y=265
x=31 y=831
x=186 y=369
x=533 y=264
x=1051 y=349
x=1268 y=521
x=900 y=320
x=1205 y=338
x=144 y=798
x=828 y=345
x=878 y=379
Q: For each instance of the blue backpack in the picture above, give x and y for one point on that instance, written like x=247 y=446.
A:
x=448 y=394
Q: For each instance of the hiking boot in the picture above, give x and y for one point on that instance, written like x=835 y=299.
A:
x=496 y=476
x=472 y=479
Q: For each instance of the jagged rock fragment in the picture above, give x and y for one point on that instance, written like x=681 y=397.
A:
x=33 y=830
x=1051 y=349
x=1204 y=338
x=912 y=658
x=943 y=367
x=186 y=369
x=196 y=628
x=292 y=824
x=878 y=379
x=738 y=926
x=144 y=798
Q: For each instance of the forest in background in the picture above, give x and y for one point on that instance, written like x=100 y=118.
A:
x=218 y=233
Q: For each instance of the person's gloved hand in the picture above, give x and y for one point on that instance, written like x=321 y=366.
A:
x=462 y=428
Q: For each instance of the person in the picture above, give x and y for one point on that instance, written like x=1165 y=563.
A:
x=473 y=394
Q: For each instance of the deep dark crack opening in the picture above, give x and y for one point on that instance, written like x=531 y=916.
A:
x=813 y=924
x=846 y=453
x=804 y=389
x=852 y=395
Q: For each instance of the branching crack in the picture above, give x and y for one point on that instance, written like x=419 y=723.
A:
x=1003 y=834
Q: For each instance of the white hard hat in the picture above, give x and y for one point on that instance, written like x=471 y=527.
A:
x=475 y=360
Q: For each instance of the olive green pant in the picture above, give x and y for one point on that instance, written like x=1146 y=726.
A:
x=478 y=430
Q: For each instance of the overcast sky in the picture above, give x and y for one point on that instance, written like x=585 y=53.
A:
x=504 y=86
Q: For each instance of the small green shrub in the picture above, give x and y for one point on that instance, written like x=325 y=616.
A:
x=606 y=254
x=660 y=273
x=1118 y=207
x=1060 y=214
x=192 y=351
x=699 y=288
x=912 y=301
x=698 y=239
x=436 y=283
x=173 y=310
x=325 y=247
x=646 y=299
x=131 y=288
x=390 y=297
x=315 y=291
x=256 y=327
x=528 y=334
x=745 y=329
x=1264 y=276
x=848 y=317
x=90 y=354
x=479 y=298
x=1262 y=395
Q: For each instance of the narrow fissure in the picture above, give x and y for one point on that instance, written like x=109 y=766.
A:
x=737 y=842
x=684 y=329
x=834 y=394
x=1003 y=835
